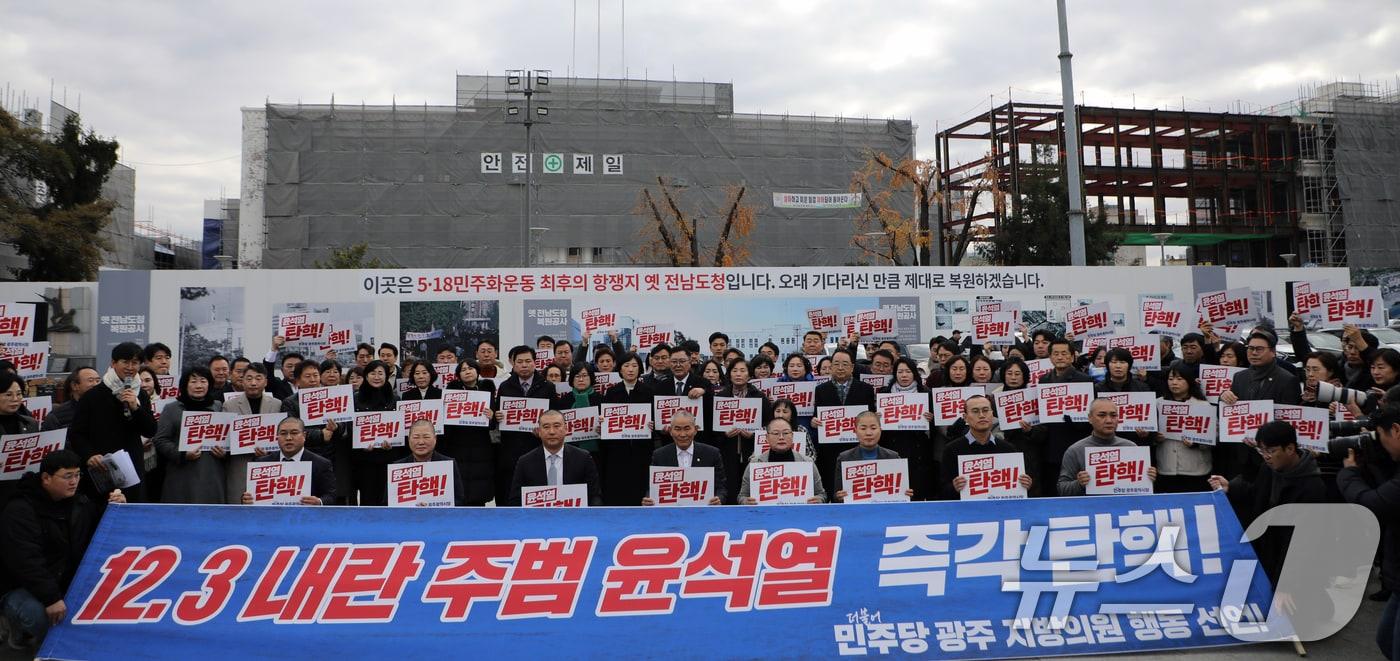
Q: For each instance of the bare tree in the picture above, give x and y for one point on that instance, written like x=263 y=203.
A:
x=885 y=233
x=675 y=232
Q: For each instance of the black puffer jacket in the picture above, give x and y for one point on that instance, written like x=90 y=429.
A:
x=43 y=540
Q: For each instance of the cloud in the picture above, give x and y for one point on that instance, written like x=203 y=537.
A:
x=168 y=79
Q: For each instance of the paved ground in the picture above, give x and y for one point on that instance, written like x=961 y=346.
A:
x=1357 y=641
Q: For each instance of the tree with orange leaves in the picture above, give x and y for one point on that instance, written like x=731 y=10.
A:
x=882 y=231
x=675 y=233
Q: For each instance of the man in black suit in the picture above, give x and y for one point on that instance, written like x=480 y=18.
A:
x=291 y=438
x=524 y=381
x=658 y=368
x=554 y=462
x=681 y=381
x=114 y=415
x=684 y=452
x=1053 y=437
x=844 y=389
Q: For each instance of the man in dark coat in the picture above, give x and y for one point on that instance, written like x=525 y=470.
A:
x=524 y=381
x=1055 y=436
x=554 y=463
x=75 y=386
x=113 y=416
x=46 y=528
x=844 y=389
x=1289 y=474
x=684 y=452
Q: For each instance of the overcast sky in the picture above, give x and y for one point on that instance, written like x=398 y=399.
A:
x=167 y=79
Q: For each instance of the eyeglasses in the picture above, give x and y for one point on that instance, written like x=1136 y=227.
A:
x=1267 y=452
x=1256 y=347
x=787 y=432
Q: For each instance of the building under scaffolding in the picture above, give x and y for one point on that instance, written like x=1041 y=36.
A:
x=1349 y=151
x=443 y=186
x=1223 y=184
x=1311 y=181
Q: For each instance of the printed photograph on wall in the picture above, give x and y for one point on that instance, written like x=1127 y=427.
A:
x=426 y=327
x=211 y=324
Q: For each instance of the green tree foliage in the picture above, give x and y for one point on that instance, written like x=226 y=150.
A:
x=1039 y=234
x=349 y=257
x=51 y=205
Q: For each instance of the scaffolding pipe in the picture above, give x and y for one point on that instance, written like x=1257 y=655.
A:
x=1073 y=154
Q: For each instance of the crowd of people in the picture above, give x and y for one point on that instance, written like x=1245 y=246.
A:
x=50 y=514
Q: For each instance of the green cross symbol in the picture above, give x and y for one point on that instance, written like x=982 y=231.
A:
x=553 y=163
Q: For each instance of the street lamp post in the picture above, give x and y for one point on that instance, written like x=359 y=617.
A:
x=1162 y=243
x=527 y=83
x=1073 y=154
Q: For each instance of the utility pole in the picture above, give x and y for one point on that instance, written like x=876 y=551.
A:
x=1073 y=154
x=527 y=83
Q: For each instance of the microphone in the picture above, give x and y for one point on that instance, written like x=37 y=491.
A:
x=127 y=385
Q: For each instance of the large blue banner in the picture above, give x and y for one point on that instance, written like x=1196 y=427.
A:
x=956 y=580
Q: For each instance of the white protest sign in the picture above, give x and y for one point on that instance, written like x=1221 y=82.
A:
x=1092 y=320
x=744 y=413
x=564 y=495
x=824 y=320
x=871 y=325
x=681 y=487
x=421 y=484
x=279 y=482
x=1239 y=421
x=1146 y=350
x=625 y=421
x=781 y=483
x=1117 y=470
x=903 y=411
x=1159 y=317
x=466 y=408
x=21 y=453
x=802 y=394
x=1187 y=421
x=304 y=330
x=595 y=319
x=375 y=429
x=1309 y=422
x=414 y=410
x=1137 y=411
x=877 y=381
x=650 y=335
x=948 y=403
x=319 y=405
x=1216 y=379
x=1307 y=298
x=994 y=328
x=875 y=481
x=17 y=322
x=31 y=359
x=1014 y=406
x=1058 y=400
x=39 y=407
x=1230 y=307
x=837 y=424
x=1361 y=306
x=582 y=424
x=665 y=406
x=522 y=413
x=992 y=476
x=255 y=432
x=205 y=430
x=1038 y=368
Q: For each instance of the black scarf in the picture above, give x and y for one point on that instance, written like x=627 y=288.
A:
x=774 y=455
